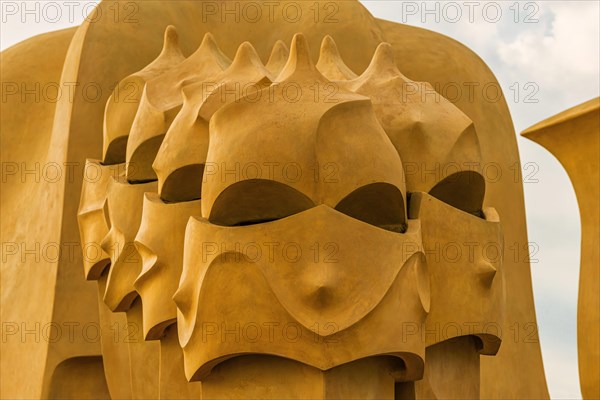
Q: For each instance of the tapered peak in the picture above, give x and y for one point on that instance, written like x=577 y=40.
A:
x=246 y=67
x=331 y=63
x=246 y=56
x=246 y=71
x=299 y=60
x=171 y=42
x=382 y=64
x=209 y=47
x=170 y=54
x=278 y=58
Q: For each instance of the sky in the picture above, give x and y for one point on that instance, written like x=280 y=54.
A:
x=545 y=55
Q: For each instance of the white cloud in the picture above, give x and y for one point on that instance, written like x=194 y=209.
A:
x=564 y=61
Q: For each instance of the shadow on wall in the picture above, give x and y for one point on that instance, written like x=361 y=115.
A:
x=78 y=378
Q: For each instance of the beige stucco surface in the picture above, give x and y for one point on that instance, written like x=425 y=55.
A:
x=104 y=52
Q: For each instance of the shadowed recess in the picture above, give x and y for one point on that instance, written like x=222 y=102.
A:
x=380 y=204
x=77 y=377
x=464 y=190
x=255 y=201
x=115 y=153
x=139 y=167
x=183 y=184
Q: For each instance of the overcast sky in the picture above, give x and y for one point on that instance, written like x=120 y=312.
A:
x=546 y=56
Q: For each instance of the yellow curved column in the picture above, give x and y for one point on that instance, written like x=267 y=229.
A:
x=573 y=138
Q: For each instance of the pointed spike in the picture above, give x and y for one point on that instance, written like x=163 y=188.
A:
x=299 y=59
x=170 y=54
x=279 y=50
x=381 y=71
x=300 y=50
x=246 y=55
x=328 y=46
x=171 y=41
x=382 y=62
x=209 y=46
x=278 y=57
x=208 y=41
x=331 y=63
x=246 y=64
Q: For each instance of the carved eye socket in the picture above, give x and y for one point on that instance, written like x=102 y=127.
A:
x=464 y=190
x=379 y=204
x=183 y=184
x=255 y=201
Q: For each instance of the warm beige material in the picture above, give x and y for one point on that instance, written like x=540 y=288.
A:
x=120 y=294
x=92 y=215
x=361 y=153
x=330 y=322
x=39 y=198
x=452 y=370
x=126 y=263
x=299 y=138
x=173 y=383
x=115 y=348
x=122 y=106
x=181 y=158
x=159 y=241
x=144 y=357
x=428 y=131
x=369 y=378
x=573 y=137
x=278 y=58
x=331 y=64
x=161 y=102
x=458 y=275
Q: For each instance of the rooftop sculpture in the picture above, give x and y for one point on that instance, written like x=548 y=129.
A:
x=291 y=211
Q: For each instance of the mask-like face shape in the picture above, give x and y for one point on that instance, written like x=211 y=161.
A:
x=464 y=258
x=307 y=244
x=161 y=102
x=181 y=158
x=122 y=106
x=125 y=212
x=322 y=297
x=436 y=141
x=361 y=212
x=306 y=274
x=159 y=242
x=93 y=216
